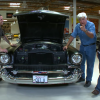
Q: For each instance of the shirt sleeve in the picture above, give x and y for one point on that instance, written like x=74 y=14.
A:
x=92 y=29
x=75 y=32
x=1 y=32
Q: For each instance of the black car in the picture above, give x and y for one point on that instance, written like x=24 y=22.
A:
x=39 y=57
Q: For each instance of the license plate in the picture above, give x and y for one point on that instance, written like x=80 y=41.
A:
x=40 y=79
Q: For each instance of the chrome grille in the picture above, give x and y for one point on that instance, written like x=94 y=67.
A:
x=40 y=67
x=40 y=58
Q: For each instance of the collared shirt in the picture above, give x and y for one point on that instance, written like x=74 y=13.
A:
x=1 y=33
x=85 y=40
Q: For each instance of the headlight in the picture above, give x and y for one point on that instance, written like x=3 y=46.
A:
x=76 y=59
x=4 y=58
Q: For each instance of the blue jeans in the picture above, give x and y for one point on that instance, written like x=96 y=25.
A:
x=88 y=53
x=98 y=83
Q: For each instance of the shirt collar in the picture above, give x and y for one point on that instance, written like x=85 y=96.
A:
x=86 y=23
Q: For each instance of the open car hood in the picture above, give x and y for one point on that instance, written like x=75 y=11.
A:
x=41 y=25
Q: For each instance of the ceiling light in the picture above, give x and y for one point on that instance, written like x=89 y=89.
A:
x=71 y=8
x=5 y=20
x=17 y=11
x=66 y=8
x=99 y=11
x=24 y=4
x=14 y=4
x=14 y=22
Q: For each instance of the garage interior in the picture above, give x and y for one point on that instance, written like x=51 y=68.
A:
x=74 y=91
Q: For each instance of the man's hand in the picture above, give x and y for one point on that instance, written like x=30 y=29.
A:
x=65 y=48
x=13 y=45
x=4 y=50
x=83 y=28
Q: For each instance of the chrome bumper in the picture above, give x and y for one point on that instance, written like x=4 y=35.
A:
x=55 y=80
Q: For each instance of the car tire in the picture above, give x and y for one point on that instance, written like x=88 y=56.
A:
x=0 y=79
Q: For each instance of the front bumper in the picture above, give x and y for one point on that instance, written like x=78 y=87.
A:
x=51 y=80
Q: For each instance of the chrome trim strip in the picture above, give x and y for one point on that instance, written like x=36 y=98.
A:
x=55 y=80
x=69 y=66
x=44 y=72
x=9 y=66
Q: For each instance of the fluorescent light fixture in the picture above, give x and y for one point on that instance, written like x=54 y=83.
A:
x=14 y=22
x=66 y=8
x=5 y=20
x=14 y=4
x=99 y=11
x=17 y=11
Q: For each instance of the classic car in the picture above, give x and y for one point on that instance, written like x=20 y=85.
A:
x=39 y=57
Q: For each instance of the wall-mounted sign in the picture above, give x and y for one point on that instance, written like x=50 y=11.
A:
x=66 y=28
x=9 y=15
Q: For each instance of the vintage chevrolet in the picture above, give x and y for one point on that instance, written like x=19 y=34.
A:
x=39 y=57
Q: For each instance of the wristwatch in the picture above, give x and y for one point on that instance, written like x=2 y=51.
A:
x=86 y=31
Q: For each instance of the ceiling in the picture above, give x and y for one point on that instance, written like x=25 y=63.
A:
x=91 y=7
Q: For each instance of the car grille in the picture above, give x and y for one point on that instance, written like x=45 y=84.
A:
x=40 y=58
x=39 y=67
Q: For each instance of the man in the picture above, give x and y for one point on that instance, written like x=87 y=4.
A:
x=86 y=32
x=2 y=34
x=97 y=88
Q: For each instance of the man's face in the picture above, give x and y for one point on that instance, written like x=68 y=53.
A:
x=83 y=21
x=1 y=20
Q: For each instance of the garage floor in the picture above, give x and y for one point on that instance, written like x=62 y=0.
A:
x=74 y=91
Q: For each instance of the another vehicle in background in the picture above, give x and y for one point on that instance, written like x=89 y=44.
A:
x=17 y=35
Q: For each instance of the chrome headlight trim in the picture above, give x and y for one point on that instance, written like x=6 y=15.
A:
x=4 y=58
x=76 y=59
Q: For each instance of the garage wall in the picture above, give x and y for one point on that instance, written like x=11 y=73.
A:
x=15 y=28
x=99 y=25
x=89 y=16
x=3 y=13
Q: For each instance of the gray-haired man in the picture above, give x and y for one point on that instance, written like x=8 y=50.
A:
x=86 y=32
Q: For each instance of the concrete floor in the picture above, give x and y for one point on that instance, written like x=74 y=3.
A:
x=74 y=91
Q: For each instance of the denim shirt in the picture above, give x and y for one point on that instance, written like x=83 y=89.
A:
x=85 y=40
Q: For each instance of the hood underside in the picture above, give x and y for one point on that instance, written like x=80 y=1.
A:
x=41 y=25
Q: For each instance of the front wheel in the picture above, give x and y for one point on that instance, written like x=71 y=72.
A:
x=0 y=79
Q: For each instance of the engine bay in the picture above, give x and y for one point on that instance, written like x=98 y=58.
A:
x=40 y=53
